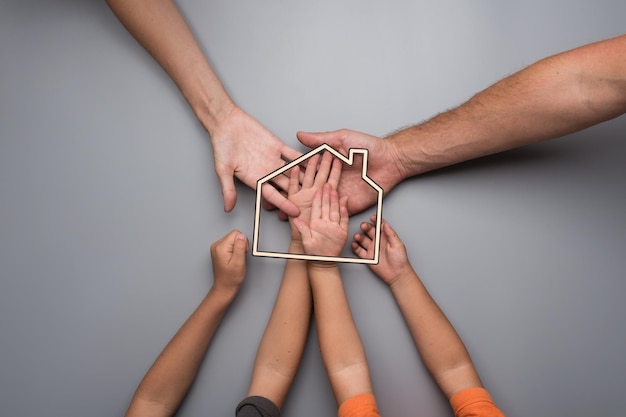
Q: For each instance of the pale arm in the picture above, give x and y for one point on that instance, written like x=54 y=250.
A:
x=242 y=147
x=166 y=383
x=438 y=343
x=160 y=28
x=340 y=344
x=282 y=345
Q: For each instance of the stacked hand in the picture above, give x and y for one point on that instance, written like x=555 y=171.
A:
x=317 y=173
x=327 y=231
x=384 y=165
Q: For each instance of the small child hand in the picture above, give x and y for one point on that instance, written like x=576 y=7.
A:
x=327 y=232
x=393 y=261
x=228 y=256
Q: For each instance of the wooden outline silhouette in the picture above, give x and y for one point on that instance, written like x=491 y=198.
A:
x=350 y=161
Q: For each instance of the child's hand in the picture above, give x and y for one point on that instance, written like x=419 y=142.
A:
x=393 y=262
x=327 y=232
x=229 y=262
x=314 y=178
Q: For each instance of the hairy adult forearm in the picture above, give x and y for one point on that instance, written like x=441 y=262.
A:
x=551 y=98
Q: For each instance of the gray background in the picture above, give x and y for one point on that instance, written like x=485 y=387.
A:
x=109 y=202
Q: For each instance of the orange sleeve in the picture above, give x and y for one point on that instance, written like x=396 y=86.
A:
x=474 y=402
x=362 y=405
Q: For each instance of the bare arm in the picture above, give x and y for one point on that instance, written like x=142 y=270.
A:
x=160 y=28
x=553 y=97
x=439 y=345
x=242 y=147
x=340 y=344
x=282 y=345
x=166 y=383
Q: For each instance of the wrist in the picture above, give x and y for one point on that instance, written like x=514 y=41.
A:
x=404 y=154
x=322 y=265
x=213 y=111
x=402 y=280
x=223 y=294
x=296 y=246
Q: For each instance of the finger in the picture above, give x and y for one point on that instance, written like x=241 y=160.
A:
x=316 y=207
x=322 y=173
x=334 y=213
x=294 y=183
x=343 y=212
x=282 y=216
x=313 y=140
x=229 y=192
x=224 y=246
x=359 y=250
x=362 y=240
x=275 y=198
x=240 y=246
x=281 y=182
x=335 y=173
x=369 y=229
x=390 y=234
x=267 y=205
x=326 y=202
x=309 y=174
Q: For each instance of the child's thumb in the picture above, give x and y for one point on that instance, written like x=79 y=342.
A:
x=240 y=246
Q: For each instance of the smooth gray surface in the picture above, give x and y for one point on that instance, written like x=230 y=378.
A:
x=109 y=202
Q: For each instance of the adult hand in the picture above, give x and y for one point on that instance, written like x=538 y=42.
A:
x=384 y=166
x=393 y=262
x=327 y=232
x=243 y=148
x=228 y=256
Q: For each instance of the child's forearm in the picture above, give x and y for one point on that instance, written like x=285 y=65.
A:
x=439 y=345
x=170 y=377
x=282 y=345
x=339 y=340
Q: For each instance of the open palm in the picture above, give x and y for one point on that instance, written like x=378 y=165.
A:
x=327 y=232
x=317 y=173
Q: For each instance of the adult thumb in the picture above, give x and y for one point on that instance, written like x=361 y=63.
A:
x=229 y=192
x=312 y=140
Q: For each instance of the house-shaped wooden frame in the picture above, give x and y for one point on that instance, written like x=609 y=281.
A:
x=350 y=161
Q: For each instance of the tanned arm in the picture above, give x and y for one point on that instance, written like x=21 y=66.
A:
x=168 y=380
x=282 y=345
x=340 y=344
x=438 y=343
x=558 y=95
